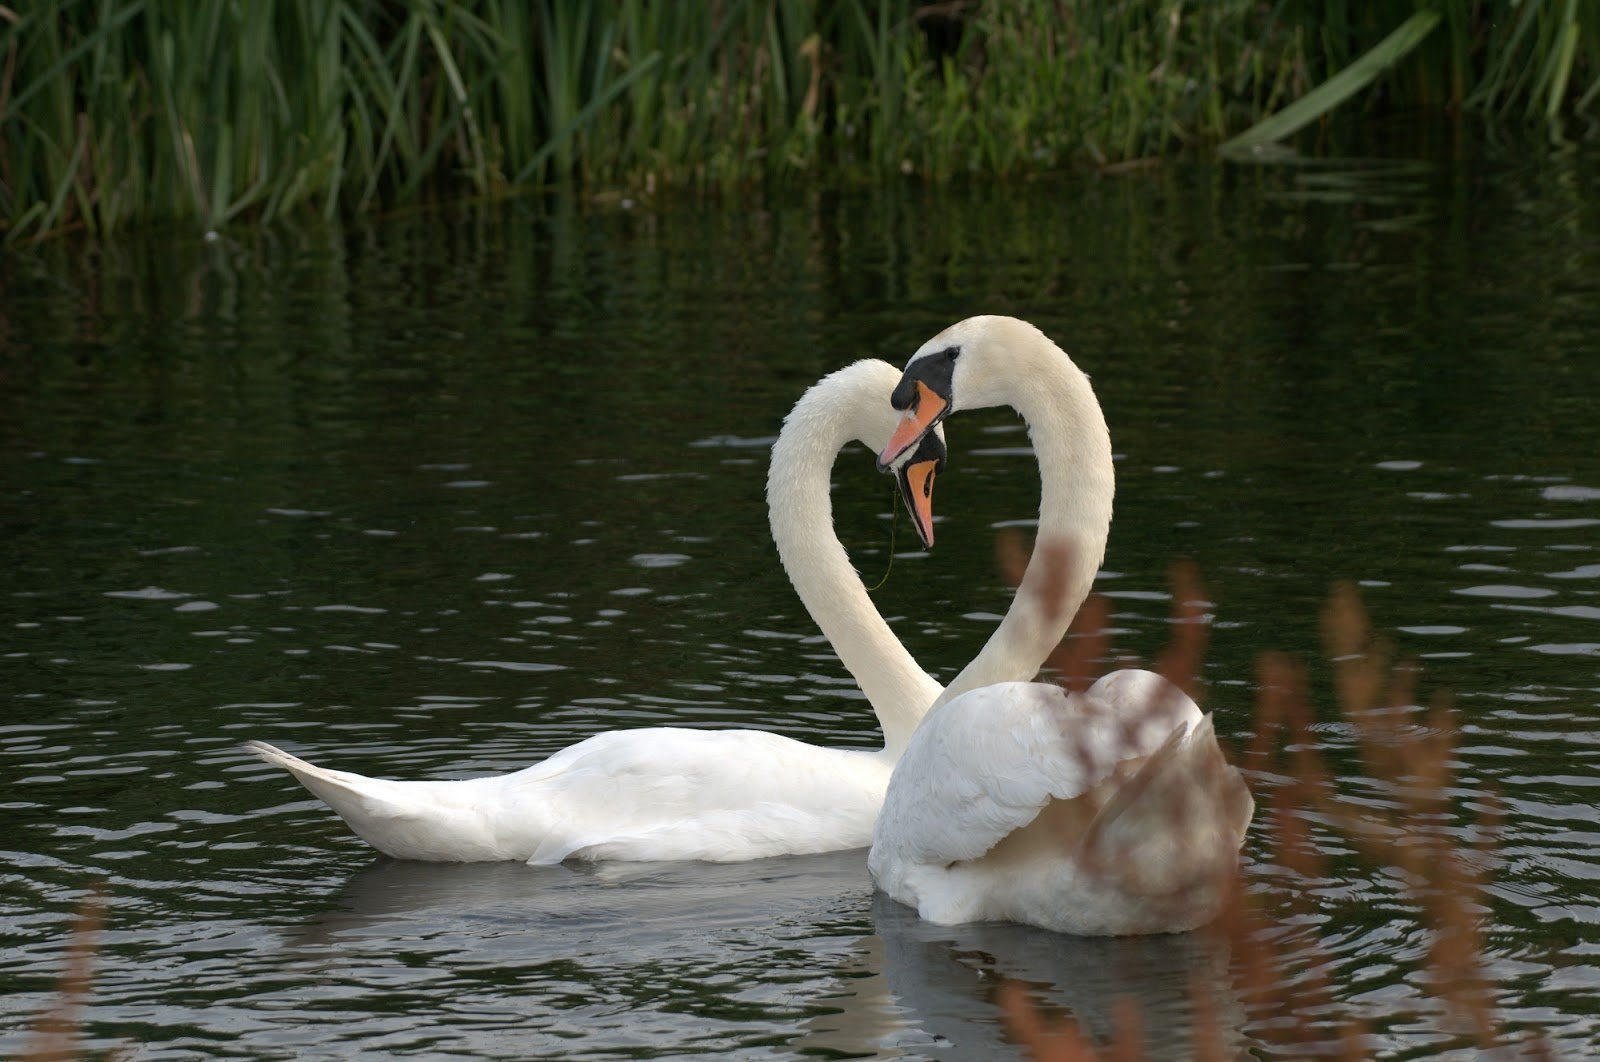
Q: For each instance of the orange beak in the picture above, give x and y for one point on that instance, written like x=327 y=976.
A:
x=916 y=487
x=922 y=415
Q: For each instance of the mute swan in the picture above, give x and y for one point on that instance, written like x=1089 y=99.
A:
x=672 y=793
x=1106 y=813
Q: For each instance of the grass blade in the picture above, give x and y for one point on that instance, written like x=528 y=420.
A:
x=1563 y=69
x=1334 y=91
x=559 y=138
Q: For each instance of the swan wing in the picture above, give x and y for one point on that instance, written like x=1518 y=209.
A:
x=648 y=794
x=1174 y=826
x=676 y=793
x=984 y=765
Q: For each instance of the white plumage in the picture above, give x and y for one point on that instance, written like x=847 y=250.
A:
x=1103 y=813
x=1109 y=812
x=671 y=793
x=657 y=793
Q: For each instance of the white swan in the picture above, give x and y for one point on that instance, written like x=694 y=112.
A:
x=1106 y=813
x=672 y=793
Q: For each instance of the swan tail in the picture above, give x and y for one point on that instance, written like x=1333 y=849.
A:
x=1174 y=828
x=333 y=787
x=406 y=820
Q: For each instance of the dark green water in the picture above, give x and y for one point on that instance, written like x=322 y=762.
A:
x=431 y=496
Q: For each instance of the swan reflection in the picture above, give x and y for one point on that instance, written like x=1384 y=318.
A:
x=770 y=941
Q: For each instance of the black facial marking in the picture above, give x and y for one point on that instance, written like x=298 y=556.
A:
x=930 y=448
x=935 y=370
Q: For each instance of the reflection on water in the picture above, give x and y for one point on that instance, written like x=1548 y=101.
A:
x=440 y=495
x=915 y=988
x=793 y=951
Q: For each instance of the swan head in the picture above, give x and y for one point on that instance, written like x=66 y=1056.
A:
x=915 y=469
x=970 y=365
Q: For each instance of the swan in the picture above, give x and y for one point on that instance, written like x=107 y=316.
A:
x=668 y=793
x=1105 y=813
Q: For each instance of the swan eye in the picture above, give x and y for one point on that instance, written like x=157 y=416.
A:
x=951 y=353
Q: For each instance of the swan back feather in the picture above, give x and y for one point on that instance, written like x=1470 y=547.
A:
x=1090 y=814
x=662 y=793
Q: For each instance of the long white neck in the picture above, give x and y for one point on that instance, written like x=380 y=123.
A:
x=848 y=405
x=1077 y=482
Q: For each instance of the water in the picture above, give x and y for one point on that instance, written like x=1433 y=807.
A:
x=436 y=495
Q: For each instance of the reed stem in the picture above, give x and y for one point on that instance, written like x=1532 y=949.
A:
x=121 y=112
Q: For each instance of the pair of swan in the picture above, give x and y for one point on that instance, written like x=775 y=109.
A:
x=1111 y=812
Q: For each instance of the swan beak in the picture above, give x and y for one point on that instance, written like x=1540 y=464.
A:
x=926 y=410
x=916 y=487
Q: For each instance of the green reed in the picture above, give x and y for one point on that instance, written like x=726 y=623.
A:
x=115 y=112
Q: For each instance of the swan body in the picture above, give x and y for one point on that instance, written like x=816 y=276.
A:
x=1103 y=813
x=648 y=794
x=672 y=793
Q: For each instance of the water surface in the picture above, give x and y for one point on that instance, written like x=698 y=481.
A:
x=436 y=495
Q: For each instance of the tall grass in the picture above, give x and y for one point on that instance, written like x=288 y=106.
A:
x=122 y=111
x=1417 y=834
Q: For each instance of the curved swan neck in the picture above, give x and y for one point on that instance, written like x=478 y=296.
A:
x=845 y=406
x=1077 y=482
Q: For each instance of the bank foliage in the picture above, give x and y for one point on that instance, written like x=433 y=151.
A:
x=116 y=112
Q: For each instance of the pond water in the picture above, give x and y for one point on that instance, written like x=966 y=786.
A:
x=439 y=494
